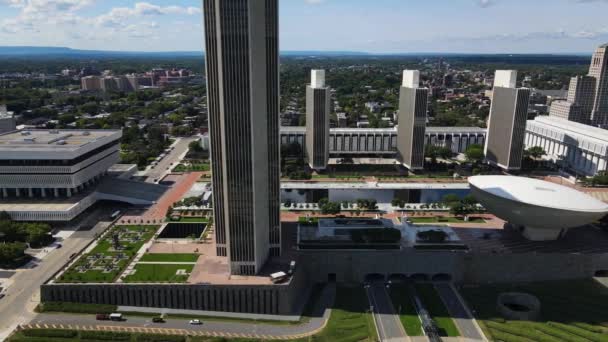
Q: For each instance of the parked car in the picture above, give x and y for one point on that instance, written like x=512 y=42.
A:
x=158 y=320
x=195 y=322
x=102 y=317
x=59 y=246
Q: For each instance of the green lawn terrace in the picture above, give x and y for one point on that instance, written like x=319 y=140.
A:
x=569 y=311
x=160 y=273
x=108 y=256
x=192 y=167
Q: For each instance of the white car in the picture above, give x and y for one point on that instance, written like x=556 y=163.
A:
x=195 y=322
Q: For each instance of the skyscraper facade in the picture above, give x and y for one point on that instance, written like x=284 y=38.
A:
x=507 y=123
x=599 y=71
x=242 y=63
x=413 y=104
x=317 y=121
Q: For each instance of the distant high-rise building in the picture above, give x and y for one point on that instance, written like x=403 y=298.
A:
x=242 y=61
x=91 y=83
x=413 y=104
x=587 y=95
x=507 y=123
x=317 y=121
x=599 y=71
x=7 y=120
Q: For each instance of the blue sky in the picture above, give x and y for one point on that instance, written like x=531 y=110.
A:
x=393 y=26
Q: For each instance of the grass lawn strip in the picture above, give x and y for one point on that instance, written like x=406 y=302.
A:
x=159 y=273
x=433 y=303
x=151 y=257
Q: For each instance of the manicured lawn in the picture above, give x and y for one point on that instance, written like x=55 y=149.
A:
x=192 y=167
x=433 y=303
x=436 y=219
x=133 y=238
x=570 y=311
x=150 y=257
x=350 y=319
x=158 y=273
x=402 y=302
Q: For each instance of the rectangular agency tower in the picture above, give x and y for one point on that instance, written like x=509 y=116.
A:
x=242 y=63
x=507 y=123
x=317 y=121
x=413 y=104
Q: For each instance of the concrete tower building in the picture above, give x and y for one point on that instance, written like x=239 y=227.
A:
x=599 y=71
x=413 y=103
x=317 y=121
x=507 y=123
x=242 y=61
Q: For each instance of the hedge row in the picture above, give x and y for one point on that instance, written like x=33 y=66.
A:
x=525 y=332
x=105 y=336
x=580 y=332
x=51 y=333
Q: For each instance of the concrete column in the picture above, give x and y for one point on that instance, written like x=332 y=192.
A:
x=30 y=193
x=4 y=193
x=43 y=192
x=18 y=192
x=56 y=191
x=69 y=192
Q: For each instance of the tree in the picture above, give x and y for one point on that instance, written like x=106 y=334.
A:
x=474 y=153
x=330 y=208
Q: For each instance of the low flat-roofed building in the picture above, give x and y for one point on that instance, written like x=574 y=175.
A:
x=349 y=233
x=579 y=147
x=55 y=163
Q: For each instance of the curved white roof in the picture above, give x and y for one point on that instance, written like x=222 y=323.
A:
x=537 y=192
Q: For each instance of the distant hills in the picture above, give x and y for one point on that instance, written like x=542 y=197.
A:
x=50 y=51
x=65 y=52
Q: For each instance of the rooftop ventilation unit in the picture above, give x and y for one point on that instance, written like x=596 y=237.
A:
x=26 y=133
x=29 y=140
x=86 y=133
x=54 y=131
x=61 y=142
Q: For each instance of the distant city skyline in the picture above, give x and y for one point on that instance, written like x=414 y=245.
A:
x=380 y=26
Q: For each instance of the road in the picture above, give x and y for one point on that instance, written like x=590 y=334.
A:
x=460 y=315
x=209 y=327
x=387 y=321
x=165 y=165
x=17 y=307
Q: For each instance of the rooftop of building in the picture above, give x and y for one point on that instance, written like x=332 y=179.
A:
x=58 y=139
x=572 y=127
x=537 y=192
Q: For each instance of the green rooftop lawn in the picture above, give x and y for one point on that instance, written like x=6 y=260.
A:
x=187 y=219
x=404 y=306
x=104 y=248
x=436 y=219
x=158 y=273
x=433 y=303
x=570 y=311
x=192 y=167
x=169 y=257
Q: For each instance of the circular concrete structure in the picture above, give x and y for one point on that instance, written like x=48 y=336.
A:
x=545 y=210
x=518 y=306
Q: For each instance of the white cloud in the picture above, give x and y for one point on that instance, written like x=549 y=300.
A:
x=485 y=3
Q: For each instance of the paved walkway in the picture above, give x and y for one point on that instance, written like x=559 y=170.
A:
x=388 y=324
x=462 y=317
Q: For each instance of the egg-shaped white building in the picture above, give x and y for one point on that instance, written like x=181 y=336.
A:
x=545 y=210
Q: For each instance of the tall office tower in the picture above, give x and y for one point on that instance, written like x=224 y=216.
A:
x=317 y=121
x=413 y=104
x=599 y=70
x=242 y=61
x=507 y=122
